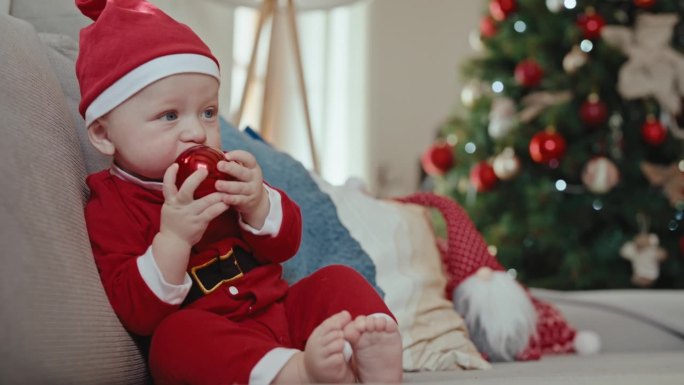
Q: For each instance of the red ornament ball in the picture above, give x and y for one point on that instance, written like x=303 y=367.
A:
x=487 y=27
x=501 y=9
x=483 y=177
x=197 y=157
x=590 y=23
x=653 y=132
x=528 y=73
x=644 y=3
x=547 y=146
x=438 y=158
x=593 y=111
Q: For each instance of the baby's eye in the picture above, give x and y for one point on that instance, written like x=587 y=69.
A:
x=209 y=113
x=169 y=116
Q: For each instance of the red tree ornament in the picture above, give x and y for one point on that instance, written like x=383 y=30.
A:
x=487 y=27
x=198 y=157
x=547 y=146
x=653 y=132
x=501 y=9
x=528 y=73
x=644 y=3
x=590 y=23
x=593 y=111
x=482 y=176
x=438 y=158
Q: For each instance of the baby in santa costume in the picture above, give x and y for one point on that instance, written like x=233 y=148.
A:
x=203 y=276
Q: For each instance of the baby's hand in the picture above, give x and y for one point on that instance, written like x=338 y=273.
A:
x=246 y=193
x=183 y=217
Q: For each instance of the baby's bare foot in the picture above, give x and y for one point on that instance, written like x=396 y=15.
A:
x=324 y=353
x=377 y=348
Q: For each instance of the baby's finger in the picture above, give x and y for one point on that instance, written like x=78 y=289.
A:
x=192 y=182
x=233 y=200
x=233 y=187
x=169 y=181
x=241 y=156
x=199 y=205
x=214 y=211
x=234 y=169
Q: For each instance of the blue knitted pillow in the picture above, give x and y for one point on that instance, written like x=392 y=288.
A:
x=325 y=240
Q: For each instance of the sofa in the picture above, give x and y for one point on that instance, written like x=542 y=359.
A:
x=56 y=323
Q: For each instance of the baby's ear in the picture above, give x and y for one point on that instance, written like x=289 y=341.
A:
x=97 y=133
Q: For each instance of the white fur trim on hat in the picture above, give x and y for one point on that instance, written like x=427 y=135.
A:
x=146 y=74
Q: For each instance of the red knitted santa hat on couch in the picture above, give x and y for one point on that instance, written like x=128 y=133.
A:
x=466 y=252
x=130 y=45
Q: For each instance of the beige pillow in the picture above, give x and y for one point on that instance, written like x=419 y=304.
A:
x=399 y=239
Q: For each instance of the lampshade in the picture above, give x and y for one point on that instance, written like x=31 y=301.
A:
x=302 y=5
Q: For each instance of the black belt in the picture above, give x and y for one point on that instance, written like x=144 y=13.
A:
x=209 y=276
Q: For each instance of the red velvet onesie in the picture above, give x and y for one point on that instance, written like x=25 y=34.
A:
x=253 y=320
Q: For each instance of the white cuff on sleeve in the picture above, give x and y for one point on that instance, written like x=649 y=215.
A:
x=274 y=218
x=171 y=294
x=270 y=365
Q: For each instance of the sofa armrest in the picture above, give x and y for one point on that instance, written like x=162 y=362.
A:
x=58 y=326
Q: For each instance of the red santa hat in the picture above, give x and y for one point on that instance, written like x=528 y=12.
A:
x=528 y=327
x=130 y=45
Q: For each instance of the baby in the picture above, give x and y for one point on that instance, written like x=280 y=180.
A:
x=203 y=276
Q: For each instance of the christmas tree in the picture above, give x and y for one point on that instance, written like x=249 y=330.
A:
x=570 y=157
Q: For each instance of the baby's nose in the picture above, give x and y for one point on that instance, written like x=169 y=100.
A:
x=195 y=132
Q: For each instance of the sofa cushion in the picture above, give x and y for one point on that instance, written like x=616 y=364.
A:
x=616 y=368
x=626 y=320
x=400 y=240
x=55 y=316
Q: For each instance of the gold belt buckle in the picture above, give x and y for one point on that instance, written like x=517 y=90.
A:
x=205 y=290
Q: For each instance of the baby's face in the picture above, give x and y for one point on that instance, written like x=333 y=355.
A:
x=151 y=128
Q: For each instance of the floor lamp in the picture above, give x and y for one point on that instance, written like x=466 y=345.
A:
x=269 y=9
